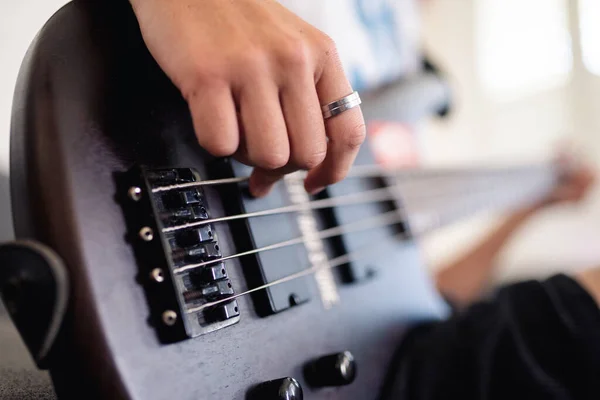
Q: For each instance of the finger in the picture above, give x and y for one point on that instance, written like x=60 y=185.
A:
x=306 y=133
x=304 y=121
x=262 y=178
x=215 y=121
x=346 y=132
x=265 y=131
x=305 y=128
x=262 y=181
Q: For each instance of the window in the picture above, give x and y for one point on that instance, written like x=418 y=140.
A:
x=523 y=46
x=589 y=15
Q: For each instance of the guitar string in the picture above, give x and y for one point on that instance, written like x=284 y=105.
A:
x=388 y=193
x=363 y=171
x=357 y=171
x=332 y=263
x=385 y=219
x=213 y=182
x=388 y=218
x=370 y=196
x=329 y=264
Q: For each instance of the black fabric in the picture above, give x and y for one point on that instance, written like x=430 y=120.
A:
x=533 y=340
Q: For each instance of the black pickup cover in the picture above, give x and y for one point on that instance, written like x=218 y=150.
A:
x=268 y=266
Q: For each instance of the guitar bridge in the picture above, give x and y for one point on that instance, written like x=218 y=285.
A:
x=177 y=250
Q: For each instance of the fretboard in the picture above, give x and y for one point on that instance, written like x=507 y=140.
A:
x=437 y=197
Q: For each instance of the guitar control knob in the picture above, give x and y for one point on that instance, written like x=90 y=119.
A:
x=279 y=389
x=333 y=370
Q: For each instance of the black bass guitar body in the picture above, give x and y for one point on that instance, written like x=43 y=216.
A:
x=107 y=174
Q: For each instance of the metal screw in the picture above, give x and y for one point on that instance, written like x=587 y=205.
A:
x=146 y=234
x=294 y=299
x=370 y=272
x=157 y=275
x=135 y=193
x=169 y=317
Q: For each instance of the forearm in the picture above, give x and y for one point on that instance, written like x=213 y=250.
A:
x=463 y=280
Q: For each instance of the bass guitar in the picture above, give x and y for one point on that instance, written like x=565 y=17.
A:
x=142 y=269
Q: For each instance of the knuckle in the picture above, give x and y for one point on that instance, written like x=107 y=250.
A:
x=201 y=73
x=311 y=159
x=328 y=45
x=190 y=89
x=295 y=53
x=272 y=160
x=355 y=137
x=198 y=81
x=205 y=76
x=253 y=59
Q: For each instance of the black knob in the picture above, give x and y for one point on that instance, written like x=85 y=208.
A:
x=333 y=370
x=279 y=389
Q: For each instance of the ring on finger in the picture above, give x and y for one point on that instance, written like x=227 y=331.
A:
x=342 y=105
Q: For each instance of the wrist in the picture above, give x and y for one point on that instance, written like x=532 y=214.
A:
x=531 y=209
x=520 y=216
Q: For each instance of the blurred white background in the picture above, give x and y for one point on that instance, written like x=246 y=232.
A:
x=19 y=23
x=526 y=75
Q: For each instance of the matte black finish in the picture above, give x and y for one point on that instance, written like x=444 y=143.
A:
x=90 y=103
x=332 y=370
x=364 y=269
x=278 y=389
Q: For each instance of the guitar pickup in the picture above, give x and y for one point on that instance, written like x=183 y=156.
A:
x=165 y=211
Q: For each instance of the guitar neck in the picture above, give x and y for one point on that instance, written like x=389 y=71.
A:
x=434 y=198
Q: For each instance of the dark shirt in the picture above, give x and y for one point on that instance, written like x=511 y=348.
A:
x=532 y=340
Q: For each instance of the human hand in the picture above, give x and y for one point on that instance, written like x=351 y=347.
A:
x=574 y=184
x=255 y=76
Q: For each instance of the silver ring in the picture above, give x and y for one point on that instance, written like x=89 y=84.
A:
x=339 y=106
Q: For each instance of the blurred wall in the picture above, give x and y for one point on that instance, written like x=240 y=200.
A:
x=509 y=127
x=19 y=22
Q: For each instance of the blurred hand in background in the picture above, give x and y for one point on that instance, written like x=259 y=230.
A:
x=465 y=279
x=575 y=183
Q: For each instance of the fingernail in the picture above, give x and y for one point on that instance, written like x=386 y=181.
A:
x=316 y=191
